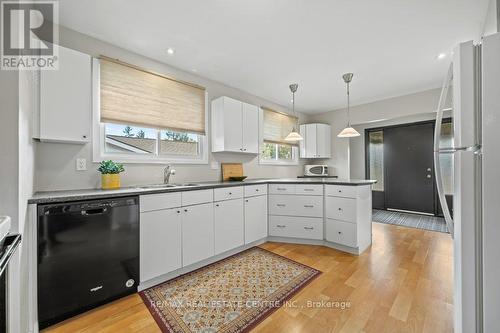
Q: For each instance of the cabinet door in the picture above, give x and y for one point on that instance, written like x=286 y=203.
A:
x=65 y=99
x=250 y=125
x=310 y=141
x=197 y=233
x=232 y=125
x=229 y=225
x=302 y=143
x=255 y=218
x=323 y=141
x=160 y=243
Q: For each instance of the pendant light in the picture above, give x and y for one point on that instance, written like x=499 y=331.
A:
x=294 y=135
x=348 y=132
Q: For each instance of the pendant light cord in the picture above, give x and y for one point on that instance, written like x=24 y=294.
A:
x=348 y=106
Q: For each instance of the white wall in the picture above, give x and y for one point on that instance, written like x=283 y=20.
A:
x=392 y=110
x=55 y=163
x=492 y=21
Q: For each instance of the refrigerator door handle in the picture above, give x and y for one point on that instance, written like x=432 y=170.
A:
x=437 y=136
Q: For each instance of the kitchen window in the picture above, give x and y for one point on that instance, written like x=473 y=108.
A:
x=274 y=149
x=144 y=117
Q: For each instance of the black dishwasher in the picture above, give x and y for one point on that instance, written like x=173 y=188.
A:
x=88 y=255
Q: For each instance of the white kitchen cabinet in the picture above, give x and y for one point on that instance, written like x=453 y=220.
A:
x=317 y=141
x=255 y=218
x=197 y=233
x=235 y=126
x=160 y=243
x=229 y=225
x=348 y=215
x=65 y=100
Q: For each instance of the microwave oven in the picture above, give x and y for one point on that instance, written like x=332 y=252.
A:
x=319 y=170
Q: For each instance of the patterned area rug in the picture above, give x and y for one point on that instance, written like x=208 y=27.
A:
x=410 y=220
x=231 y=295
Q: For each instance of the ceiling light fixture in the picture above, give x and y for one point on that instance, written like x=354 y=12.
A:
x=170 y=51
x=441 y=56
x=348 y=132
x=294 y=135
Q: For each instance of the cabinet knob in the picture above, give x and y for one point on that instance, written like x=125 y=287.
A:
x=340 y=191
x=256 y=190
x=230 y=193
x=178 y=212
x=216 y=205
x=246 y=200
x=84 y=136
x=340 y=232
x=185 y=210
x=340 y=208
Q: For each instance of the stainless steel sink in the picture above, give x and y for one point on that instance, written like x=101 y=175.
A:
x=142 y=187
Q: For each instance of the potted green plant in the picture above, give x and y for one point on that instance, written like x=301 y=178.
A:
x=110 y=174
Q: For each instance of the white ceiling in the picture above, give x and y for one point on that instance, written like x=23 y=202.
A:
x=261 y=46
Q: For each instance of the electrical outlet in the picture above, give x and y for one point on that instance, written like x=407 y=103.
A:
x=215 y=165
x=81 y=164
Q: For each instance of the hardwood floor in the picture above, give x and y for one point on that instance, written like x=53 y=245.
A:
x=403 y=283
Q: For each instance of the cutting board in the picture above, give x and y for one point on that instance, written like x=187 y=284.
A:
x=231 y=170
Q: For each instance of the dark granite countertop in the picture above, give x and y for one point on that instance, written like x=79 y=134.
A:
x=88 y=194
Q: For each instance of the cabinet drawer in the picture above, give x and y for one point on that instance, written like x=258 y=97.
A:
x=150 y=202
x=296 y=227
x=296 y=205
x=304 y=189
x=254 y=190
x=197 y=197
x=228 y=193
x=281 y=204
x=343 y=209
x=281 y=189
x=341 y=191
x=341 y=232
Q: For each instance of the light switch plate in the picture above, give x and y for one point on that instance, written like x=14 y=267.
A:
x=81 y=164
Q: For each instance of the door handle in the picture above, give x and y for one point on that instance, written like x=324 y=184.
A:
x=437 y=166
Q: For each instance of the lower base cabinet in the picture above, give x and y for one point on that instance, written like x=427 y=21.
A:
x=160 y=242
x=197 y=233
x=229 y=225
x=255 y=218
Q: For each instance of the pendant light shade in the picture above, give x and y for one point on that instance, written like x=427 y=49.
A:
x=294 y=135
x=348 y=132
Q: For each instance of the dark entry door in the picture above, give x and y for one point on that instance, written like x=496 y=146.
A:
x=409 y=177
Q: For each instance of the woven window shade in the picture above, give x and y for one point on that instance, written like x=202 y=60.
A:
x=277 y=126
x=132 y=96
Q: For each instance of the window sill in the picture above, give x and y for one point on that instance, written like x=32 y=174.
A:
x=275 y=162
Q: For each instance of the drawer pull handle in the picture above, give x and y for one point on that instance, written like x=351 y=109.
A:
x=281 y=226
x=309 y=189
x=309 y=228
x=309 y=206
x=281 y=189
x=280 y=205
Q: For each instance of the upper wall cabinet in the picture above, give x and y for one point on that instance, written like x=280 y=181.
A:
x=317 y=141
x=235 y=126
x=66 y=99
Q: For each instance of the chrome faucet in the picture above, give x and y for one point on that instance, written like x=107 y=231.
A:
x=167 y=172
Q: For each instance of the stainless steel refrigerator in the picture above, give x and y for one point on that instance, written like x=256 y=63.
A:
x=473 y=84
